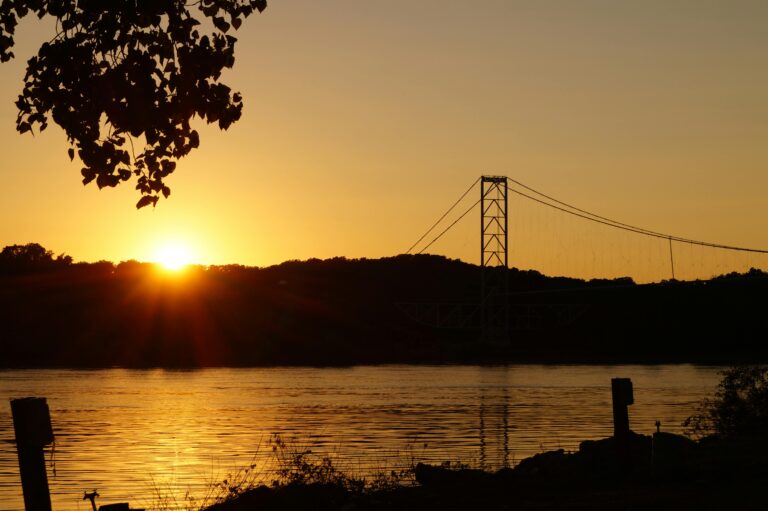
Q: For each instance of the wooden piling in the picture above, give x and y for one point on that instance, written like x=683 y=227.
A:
x=32 y=427
x=621 y=390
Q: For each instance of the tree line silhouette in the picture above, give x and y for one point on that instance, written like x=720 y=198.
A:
x=57 y=312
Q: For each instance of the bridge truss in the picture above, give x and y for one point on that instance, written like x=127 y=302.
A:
x=494 y=258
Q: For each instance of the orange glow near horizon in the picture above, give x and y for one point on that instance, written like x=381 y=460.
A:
x=174 y=256
x=650 y=113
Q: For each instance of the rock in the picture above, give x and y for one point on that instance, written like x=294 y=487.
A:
x=609 y=457
x=672 y=453
x=430 y=476
x=545 y=463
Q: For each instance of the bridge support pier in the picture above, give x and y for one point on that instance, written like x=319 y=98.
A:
x=493 y=259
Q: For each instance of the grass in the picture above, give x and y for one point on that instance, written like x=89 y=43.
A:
x=290 y=462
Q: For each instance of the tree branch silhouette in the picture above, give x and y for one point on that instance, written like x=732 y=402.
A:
x=132 y=71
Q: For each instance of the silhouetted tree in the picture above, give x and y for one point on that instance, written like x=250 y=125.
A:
x=30 y=257
x=739 y=407
x=132 y=267
x=99 y=269
x=120 y=70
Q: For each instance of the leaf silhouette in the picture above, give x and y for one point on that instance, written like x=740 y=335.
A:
x=149 y=78
x=146 y=200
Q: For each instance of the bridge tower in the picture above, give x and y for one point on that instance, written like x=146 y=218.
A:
x=493 y=259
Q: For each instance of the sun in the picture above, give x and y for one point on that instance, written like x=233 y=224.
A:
x=173 y=256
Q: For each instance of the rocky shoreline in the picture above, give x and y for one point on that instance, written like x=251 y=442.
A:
x=663 y=471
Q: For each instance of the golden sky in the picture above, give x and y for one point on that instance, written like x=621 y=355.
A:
x=364 y=121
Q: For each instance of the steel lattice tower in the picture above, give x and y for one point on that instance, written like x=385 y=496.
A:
x=493 y=258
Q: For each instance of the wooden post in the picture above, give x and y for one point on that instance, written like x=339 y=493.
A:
x=621 y=390
x=32 y=426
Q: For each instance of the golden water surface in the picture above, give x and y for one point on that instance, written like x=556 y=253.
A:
x=132 y=434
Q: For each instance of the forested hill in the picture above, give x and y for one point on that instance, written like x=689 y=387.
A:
x=55 y=312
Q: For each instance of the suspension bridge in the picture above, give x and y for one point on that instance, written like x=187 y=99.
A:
x=570 y=233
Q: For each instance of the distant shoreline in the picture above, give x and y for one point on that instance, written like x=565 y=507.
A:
x=341 y=313
x=724 y=364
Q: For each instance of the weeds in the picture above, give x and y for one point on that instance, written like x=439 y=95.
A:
x=296 y=465
x=167 y=497
x=237 y=483
x=282 y=462
x=288 y=462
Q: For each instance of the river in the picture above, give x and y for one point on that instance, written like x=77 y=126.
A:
x=150 y=437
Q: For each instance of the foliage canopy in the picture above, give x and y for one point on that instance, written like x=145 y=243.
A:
x=30 y=258
x=129 y=69
x=739 y=407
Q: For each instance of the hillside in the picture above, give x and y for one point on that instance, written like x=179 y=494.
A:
x=340 y=311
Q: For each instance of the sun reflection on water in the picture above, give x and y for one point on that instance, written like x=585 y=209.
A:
x=131 y=433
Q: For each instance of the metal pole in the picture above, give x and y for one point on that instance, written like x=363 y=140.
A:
x=482 y=225
x=506 y=227
x=671 y=259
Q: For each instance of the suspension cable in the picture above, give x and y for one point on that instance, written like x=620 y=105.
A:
x=581 y=213
x=448 y=228
x=441 y=219
x=582 y=210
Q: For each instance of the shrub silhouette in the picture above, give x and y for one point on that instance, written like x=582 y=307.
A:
x=739 y=407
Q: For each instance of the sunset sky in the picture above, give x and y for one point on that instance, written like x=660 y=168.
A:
x=364 y=121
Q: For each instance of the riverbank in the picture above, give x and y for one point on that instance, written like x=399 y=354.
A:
x=661 y=472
